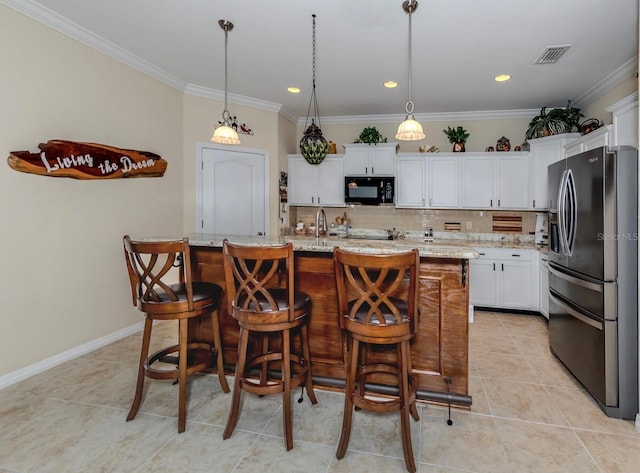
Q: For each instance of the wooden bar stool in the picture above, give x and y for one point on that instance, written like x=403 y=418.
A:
x=262 y=298
x=378 y=305
x=161 y=286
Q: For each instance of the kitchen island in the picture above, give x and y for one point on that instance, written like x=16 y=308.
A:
x=440 y=347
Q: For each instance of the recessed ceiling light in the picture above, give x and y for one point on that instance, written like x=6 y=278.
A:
x=294 y=90
x=391 y=84
x=502 y=77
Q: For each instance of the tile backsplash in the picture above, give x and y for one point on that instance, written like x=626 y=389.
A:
x=404 y=220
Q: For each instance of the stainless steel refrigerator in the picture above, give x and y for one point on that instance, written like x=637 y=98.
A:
x=593 y=273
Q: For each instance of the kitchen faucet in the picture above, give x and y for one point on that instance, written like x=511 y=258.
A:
x=324 y=221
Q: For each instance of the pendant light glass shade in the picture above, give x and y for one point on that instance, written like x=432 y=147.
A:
x=224 y=134
x=313 y=146
x=410 y=129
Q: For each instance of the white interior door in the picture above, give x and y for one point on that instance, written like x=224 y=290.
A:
x=232 y=190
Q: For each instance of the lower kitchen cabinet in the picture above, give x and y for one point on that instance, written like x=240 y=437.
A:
x=544 y=285
x=505 y=278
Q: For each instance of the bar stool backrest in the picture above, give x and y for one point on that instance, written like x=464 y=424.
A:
x=160 y=275
x=377 y=292
x=259 y=282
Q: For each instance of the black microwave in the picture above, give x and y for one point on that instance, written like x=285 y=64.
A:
x=369 y=190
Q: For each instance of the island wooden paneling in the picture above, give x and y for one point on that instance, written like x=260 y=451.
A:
x=439 y=349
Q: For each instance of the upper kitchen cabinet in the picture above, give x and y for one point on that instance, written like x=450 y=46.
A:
x=362 y=159
x=316 y=184
x=427 y=181
x=595 y=139
x=625 y=121
x=495 y=180
x=542 y=152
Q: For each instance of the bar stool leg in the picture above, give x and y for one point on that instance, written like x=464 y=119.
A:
x=182 y=374
x=306 y=352
x=352 y=371
x=286 y=393
x=144 y=353
x=403 y=384
x=239 y=373
x=217 y=343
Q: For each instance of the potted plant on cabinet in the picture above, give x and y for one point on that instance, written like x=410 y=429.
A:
x=371 y=136
x=458 y=137
x=554 y=122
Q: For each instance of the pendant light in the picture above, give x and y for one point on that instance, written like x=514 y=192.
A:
x=410 y=129
x=313 y=146
x=224 y=133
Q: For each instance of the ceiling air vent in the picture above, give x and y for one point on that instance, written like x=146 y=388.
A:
x=552 y=54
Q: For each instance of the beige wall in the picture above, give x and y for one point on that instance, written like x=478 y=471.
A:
x=63 y=278
x=200 y=116
x=598 y=108
x=482 y=133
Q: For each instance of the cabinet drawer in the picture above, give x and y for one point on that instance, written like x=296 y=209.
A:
x=513 y=254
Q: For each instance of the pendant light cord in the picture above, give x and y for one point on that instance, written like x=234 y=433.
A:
x=314 y=100
x=409 y=107
x=226 y=26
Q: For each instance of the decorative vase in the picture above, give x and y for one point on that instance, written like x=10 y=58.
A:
x=503 y=144
x=458 y=147
x=313 y=146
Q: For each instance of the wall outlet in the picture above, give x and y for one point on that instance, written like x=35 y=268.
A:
x=469 y=225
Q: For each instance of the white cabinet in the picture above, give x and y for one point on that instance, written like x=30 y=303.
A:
x=625 y=121
x=477 y=180
x=512 y=181
x=595 y=139
x=368 y=160
x=495 y=180
x=427 y=181
x=316 y=184
x=504 y=278
x=544 y=284
x=542 y=153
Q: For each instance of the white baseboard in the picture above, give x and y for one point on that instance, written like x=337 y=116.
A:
x=39 y=367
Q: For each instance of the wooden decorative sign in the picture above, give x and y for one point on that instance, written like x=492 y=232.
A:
x=59 y=158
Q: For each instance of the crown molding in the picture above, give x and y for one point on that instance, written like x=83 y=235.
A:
x=430 y=117
x=621 y=74
x=77 y=32
x=621 y=105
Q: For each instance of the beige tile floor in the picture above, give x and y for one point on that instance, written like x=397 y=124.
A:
x=528 y=415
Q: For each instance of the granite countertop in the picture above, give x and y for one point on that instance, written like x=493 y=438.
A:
x=325 y=244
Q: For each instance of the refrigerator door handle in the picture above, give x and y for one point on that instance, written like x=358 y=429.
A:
x=579 y=282
x=570 y=187
x=576 y=314
x=561 y=213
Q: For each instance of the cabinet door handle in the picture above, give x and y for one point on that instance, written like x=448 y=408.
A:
x=313 y=200
x=491 y=203
x=494 y=266
x=318 y=200
x=498 y=202
x=482 y=254
x=517 y=256
x=372 y=170
x=534 y=203
x=366 y=170
x=502 y=266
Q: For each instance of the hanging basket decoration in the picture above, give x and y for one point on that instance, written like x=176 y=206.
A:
x=313 y=146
